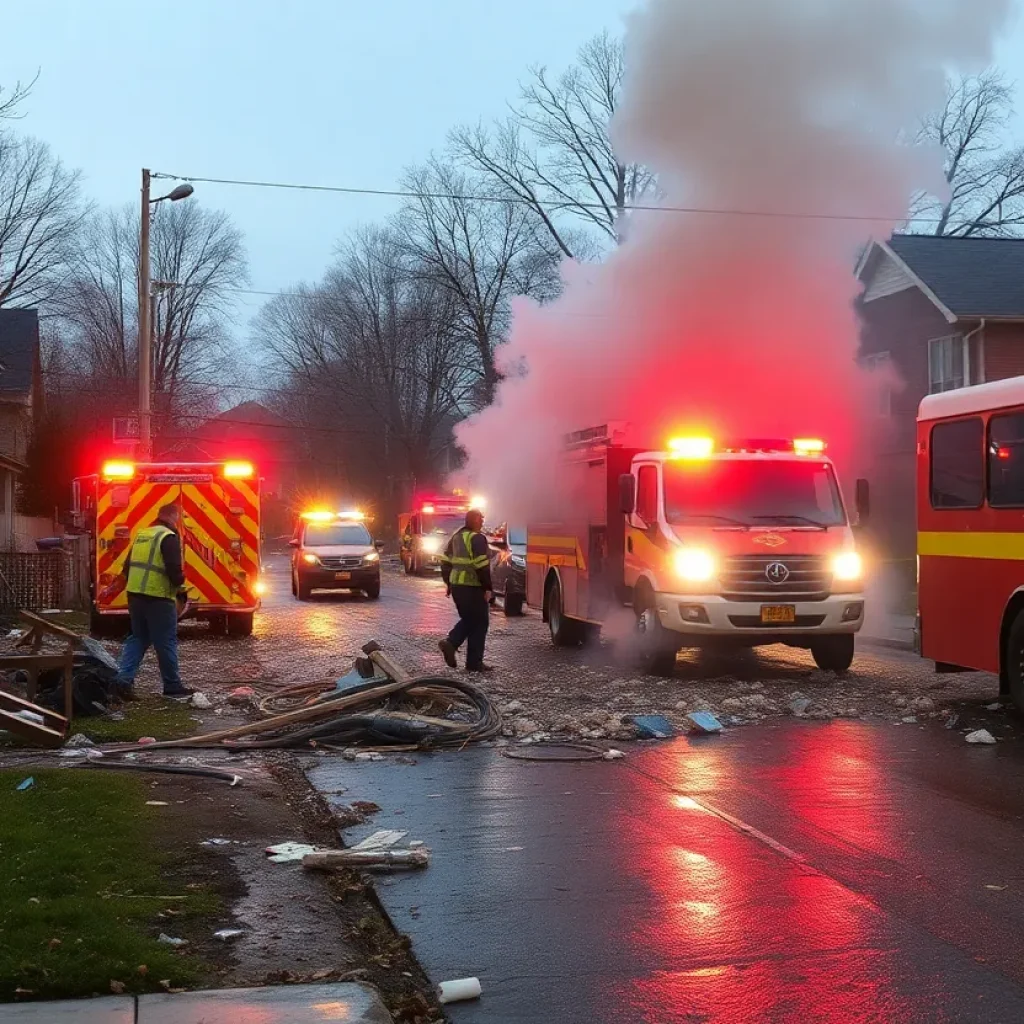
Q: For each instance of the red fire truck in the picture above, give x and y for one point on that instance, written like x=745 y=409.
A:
x=220 y=534
x=740 y=544
x=970 y=541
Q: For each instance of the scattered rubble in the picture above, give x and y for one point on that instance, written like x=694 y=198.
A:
x=980 y=736
x=201 y=701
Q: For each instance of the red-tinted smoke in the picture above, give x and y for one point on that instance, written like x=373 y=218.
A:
x=738 y=323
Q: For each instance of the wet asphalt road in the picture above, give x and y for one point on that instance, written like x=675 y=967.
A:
x=802 y=872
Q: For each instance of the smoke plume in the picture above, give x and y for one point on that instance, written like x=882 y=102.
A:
x=788 y=119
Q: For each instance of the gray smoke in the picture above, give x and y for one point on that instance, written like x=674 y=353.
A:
x=790 y=119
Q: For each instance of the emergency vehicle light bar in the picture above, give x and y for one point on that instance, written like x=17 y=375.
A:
x=318 y=516
x=238 y=470
x=119 y=470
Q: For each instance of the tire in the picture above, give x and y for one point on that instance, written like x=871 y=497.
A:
x=514 y=604
x=240 y=624
x=657 y=646
x=295 y=586
x=565 y=632
x=373 y=592
x=111 y=627
x=219 y=625
x=304 y=590
x=1014 y=656
x=833 y=653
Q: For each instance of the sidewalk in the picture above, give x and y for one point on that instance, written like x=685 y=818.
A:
x=284 y=1004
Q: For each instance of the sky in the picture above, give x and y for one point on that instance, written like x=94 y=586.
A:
x=326 y=92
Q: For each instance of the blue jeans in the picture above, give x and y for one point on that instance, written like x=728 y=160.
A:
x=154 y=623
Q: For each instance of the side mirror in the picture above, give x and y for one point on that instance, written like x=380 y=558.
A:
x=862 y=500
x=379 y=545
x=627 y=494
x=294 y=542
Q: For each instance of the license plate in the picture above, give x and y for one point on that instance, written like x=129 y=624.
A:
x=343 y=575
x=777 y=613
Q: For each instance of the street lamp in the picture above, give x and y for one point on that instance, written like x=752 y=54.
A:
x=145 y=329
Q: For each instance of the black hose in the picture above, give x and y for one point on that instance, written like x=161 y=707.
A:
x=379 y=728
x=168 y=769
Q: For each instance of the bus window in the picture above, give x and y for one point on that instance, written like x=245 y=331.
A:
x=957 y=464
x=1006 y=461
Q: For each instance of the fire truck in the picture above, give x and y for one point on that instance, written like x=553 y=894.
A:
x=220 y=536
x=970 y=547
x=425 y=529
x=701 y=544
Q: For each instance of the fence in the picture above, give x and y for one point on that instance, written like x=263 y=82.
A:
x=34 y=581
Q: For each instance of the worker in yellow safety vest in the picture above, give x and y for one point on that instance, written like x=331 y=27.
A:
x=155 y=575
x=466 y=571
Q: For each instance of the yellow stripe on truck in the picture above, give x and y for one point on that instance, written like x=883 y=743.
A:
x=1008 y=546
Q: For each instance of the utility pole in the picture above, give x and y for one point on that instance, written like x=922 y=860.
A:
x=145 y=329
x=146 y=315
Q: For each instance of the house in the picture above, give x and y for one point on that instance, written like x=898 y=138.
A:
x=936 y=314
x=21 y=399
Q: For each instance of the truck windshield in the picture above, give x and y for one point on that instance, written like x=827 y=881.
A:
x=446 y=525
x=742 y=492
x=337 y=534
x=517 y=536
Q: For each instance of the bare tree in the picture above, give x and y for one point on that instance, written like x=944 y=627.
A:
x=985 y=177
x=13 y=96
x=482 y=254
x=198 y=259
x=41 y=210
x=553 y=152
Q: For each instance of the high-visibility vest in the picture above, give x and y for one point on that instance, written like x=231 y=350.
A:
x=147 y=573
x=464 y=565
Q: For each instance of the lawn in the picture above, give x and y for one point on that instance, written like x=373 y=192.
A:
x=83 y=885
x=148 y=716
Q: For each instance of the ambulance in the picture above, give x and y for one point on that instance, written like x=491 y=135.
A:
x=220 y=536
x=705 y=543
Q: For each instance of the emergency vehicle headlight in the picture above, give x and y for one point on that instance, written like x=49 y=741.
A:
x=238 y=470
x=431 y=545
x=119 y=470
x=427 y=510
x=691 y=447
x=808 y=446
x=311 y=559
x=695 y=565
x=371 y=556
x=847 y=566
x=259 y=588
x=479 y=502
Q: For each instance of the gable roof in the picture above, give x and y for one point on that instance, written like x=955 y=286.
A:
x=19 y=350
x=966 y=277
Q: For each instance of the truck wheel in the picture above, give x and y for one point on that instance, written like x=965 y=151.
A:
x=304 y=590
x=565 y=632
x=1014 y=655
x=833 y=653
x=657 y=646
x=108 y=626
x=373 y=591
x=295 y=587
x=514 y=604
x=240 y=624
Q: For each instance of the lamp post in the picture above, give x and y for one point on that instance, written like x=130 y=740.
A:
x=145 y=314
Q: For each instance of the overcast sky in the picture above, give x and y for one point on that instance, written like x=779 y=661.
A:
x=316 y=91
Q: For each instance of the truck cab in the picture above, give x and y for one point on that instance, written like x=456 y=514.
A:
x=741 y=544
x=425 y=529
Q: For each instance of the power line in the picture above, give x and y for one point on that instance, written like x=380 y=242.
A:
x=522 y=201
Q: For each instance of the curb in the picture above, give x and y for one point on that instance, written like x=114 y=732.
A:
x=884 y=641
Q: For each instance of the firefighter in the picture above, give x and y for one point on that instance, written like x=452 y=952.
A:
x=155 y=577
x=466 y=570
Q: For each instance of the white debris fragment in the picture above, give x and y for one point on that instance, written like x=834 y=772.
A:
x=993 y=707
x=613 y=755
x=169 y=940
x=201 y=701
x=980 y=736
x=228 y=934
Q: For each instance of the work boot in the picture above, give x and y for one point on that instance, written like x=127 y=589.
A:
x=480 y=668
x=183 y=694
x=124 y=694
x=447 y=649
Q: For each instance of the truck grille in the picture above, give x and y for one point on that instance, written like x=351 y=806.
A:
x=340 y=562
x=759 y=578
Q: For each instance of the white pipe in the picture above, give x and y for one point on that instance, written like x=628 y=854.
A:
x=967 y=353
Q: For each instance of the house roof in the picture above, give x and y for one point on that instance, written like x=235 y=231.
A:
x=19 y=350
x=970 y=277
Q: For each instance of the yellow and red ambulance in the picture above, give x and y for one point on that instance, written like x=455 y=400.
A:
x=706 y=544
x=220 y=535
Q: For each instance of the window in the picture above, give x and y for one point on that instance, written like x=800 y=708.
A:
x=880 y=365
x=1006 y=461
x=337 y=535
x=957 y=465
x=946 y=364
x=647 y=494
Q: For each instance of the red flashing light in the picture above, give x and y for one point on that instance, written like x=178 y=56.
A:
x=239 y=470
x=809 y=445
x=1003 y=453
x=118 y=470
x=427 y=510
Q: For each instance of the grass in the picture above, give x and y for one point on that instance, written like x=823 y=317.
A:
x=148 y=716
x=82 y=887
